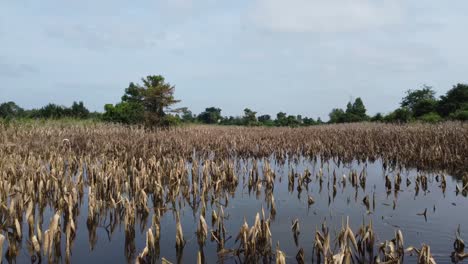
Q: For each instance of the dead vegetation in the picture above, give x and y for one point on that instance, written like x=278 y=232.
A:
x=129 y=175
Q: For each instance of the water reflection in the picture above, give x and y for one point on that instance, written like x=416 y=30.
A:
x=238 y=210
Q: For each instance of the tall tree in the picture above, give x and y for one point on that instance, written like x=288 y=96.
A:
x=250 y=118
x=420 y=101
x=158 y=97
x=359 y=109
x=355 y=112
x=150 y=101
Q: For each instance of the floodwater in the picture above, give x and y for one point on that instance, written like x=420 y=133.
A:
x=446 y=210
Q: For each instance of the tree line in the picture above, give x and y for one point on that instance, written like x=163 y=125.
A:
x=10 y=110
x=151 y=103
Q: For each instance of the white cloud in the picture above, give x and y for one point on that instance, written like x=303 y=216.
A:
x=326 y=15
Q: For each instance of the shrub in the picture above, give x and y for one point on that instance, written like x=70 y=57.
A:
x=461 y=115
x=431 y=117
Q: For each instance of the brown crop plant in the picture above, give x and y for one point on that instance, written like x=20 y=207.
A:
x=129 y=174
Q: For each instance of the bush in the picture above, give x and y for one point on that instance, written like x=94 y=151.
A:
x=431 y=117
x=170 y=120
x=377 y=118
x=124 y=112
x=461 y=115
x=400 y=115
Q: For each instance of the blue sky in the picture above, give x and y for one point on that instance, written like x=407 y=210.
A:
x=297 y=56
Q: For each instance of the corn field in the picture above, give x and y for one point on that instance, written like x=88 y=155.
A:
x=324 y=194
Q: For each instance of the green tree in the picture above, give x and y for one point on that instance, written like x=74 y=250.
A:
x=187 y=115
x=432 y=117
x=292 y=121
x=134 y=93
x=211 y=115
x=423 y=107
x=232 y=121
x=355 y=112
x=419 y=101
x=461 y=115
x=281 y=119
x=149 y=102
x=10 y=110
x=264 y=118
x=249 y=117
x=337 y=115
x=359 y=109
x=158 y=97
x=400 y=115
x=52 y=111
x=78 y=110
x=456 y=99
x=124 y=112
x=377 y=118
x=308 y=121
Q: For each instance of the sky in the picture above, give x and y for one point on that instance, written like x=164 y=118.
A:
x=297 y=56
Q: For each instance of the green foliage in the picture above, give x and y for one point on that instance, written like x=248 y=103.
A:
x=231 y=121
x=400 y=115
x=264 y=118
x=431 y=117
x=133 y=93
x=455 y=99
x=187 y=116
x=10 y=110
x=211 y=115
x=124 y=112
x=292 y=121
x=461 y=115
x=150 y=103
x=281 y=119
x=78 y=110
x=171 y=120
x=250 y=118
x=158 y=96
x=355 y=112
x=54 y=111
x=424 y=106
x=359 y=109
x=420 y=101
x=337 y=115
x=306 y=121
x=377 y=118
x=414 y=96
x=146 y=103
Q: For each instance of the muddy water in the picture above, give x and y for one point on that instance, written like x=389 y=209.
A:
x=394 y=210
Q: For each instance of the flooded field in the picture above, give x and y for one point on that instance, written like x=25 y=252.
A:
x=364 y=193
